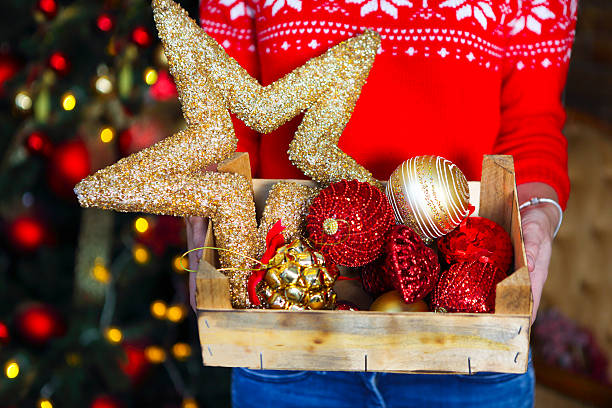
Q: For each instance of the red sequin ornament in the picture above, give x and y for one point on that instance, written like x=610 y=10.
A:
x=476 y=237
x=347 y=222
x=376 y=279
x=468 y=287
x=413 y=266
x=345 y=305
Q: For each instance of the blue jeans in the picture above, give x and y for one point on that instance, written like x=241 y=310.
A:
x=316 y=389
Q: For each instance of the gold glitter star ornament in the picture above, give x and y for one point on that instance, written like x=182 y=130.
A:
x=169 y=178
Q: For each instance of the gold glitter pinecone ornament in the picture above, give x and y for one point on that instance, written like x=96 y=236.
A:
x=298 y=278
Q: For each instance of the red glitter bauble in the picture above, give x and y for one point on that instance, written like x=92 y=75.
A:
x=413 y=266
x=345 y=305
x=27 y=233
x=347 y=222
x=476 y=237
x=59 y=63
x=468 y=287
x=38 y=323
x=105 y=401
x=141 y=37
x=376 y=279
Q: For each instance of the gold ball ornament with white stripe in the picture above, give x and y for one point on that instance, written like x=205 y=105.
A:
x=429 y=194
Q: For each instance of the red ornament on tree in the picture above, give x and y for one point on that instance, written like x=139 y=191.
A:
x=141 y=37
x=4 y=333
x=38 y=143
x=59 y=63
x=413 y=266
x=47 y=7
x=135 y=363
x=38 y=323
x=105 y=401
x=69 y=164
x=105 y=22
x=9 y=65
x=468 y=287
x=141 y=134
x=476 y=237
x=27 y=233
x=347 y=222
x=164 y=89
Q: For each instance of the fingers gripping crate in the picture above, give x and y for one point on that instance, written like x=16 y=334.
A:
x=463 y=343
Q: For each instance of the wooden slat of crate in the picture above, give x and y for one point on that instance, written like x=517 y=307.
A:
x=364 y=341
x=358 y=341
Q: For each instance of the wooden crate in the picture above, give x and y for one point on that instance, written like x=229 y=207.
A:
x=374 y=341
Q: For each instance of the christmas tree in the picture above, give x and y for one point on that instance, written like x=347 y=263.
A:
x=95 y=309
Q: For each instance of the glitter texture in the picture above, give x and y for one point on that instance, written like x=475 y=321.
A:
x=326 y=88
x=363 y=216
x=226 y=198
x=288 y=202
x=413 y=266
x=429 y=194
x=476 y=237
x=467 y=287
x=168 y=178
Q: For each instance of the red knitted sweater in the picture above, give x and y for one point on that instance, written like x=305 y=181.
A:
x=455 y=78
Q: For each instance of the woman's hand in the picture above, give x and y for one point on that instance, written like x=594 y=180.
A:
x=539 y=223
x=196 y=235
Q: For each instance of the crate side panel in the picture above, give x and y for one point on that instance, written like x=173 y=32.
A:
x=418 y=342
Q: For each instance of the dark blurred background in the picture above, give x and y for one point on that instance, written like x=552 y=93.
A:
x=93 y=304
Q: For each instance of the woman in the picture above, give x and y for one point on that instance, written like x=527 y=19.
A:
x=455 y=78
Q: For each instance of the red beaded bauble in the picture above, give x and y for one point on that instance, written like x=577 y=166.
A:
x=376 y=279
x=467 y=287
x=347 y=222
x=476 y=237
x=413 y=266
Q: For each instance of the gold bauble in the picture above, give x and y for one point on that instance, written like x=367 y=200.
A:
x=429 y=194
x=392 y=302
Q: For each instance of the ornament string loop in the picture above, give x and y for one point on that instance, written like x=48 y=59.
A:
x=222 y=249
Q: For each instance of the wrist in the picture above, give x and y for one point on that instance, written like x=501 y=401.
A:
x=542 y=198
x=547 y=208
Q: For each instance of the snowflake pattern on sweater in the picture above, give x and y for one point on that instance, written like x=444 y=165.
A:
x=533 y=33
x=458 y=78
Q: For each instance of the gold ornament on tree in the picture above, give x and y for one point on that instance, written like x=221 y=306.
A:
x=429 y=194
